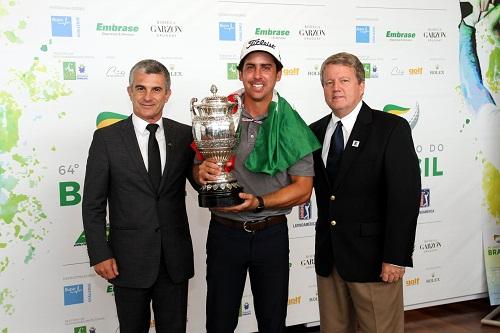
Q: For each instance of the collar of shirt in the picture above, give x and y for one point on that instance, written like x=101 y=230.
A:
x=140 y=125
x=142 y=135
x=248 y=116
x=347 y=126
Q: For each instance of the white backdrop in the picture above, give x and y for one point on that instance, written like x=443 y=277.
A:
x=60 y=70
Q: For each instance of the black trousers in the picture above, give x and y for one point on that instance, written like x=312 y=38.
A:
x=230 y=255
x=169 y=302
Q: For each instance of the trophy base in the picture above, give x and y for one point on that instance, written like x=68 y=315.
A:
x=220 y=199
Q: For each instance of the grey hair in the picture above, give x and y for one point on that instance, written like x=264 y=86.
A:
x=150 y=66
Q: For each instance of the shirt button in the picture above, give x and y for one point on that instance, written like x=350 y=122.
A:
x=333 y=223
x=251 y=135
x=332 y=197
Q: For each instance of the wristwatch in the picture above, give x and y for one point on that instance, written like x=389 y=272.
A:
x=261 y=206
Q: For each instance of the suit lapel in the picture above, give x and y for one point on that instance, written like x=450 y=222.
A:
x=130 y=139
x=320 y=132
x=170 y=134
x=359 y=137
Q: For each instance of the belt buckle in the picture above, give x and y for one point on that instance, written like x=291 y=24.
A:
x=245 y=227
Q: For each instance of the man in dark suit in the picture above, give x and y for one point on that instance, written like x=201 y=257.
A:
x=367 y=185
x=138 y=168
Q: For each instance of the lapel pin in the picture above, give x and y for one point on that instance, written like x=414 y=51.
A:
x=355 y=143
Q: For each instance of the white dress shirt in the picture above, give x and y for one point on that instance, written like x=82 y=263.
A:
x=347 y=125
x=142 y=135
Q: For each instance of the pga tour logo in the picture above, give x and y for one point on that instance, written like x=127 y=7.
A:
x=305 y=211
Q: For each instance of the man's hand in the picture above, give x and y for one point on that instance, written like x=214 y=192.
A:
x=107 y=269
x=250 y=203
x=391 y=273
x=207 y=170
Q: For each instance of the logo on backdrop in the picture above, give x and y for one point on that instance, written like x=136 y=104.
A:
x=430 y=246
x=315 y=70
x=232 y=71
x=110 y=289
x=415 y=70
x=437 y=70
x=294 y=300
x=81 y=241
x=410 y=114
x=433 y=278
x=493 y=251
x=245 y=309
x=305 y=211
x=114 y=71
x=314 y=298
x=172 y=70
x=312 y=32
x=425 y=198
x=308 y=261
x=290 y=71
x=399 y=36
x=272 y=33
x=65 y=26
x=434 y=35
x=412 y=71
x=412 y=282
x=83 y=329
x=398 y=71
x=73 y=294
x=230 y=31
x=365 y=34
x=73 y=72
x=371 y=71
x=166 y=29
x=429 y=165
x=496 y=238
x=116 y=29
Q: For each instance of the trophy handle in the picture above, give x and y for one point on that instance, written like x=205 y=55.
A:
x=237 y=114
x=193 y=100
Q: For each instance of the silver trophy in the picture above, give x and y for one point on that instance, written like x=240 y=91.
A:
x=215 y=126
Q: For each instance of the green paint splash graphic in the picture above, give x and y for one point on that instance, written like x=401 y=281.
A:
x=491 y=189
x=493 y=72
x=5 y=297
x=42 y=86
x=9 y=118
x=12 y=37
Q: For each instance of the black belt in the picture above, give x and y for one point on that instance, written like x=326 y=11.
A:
x=250 y=226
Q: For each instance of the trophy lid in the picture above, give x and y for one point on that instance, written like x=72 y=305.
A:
x=210 y=100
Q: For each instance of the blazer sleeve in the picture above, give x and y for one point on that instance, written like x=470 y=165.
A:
x=95 y=198
x=402 y=174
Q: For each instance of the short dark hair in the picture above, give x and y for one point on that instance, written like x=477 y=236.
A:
x=346 y=59
x=150 y=66
x=278 y=64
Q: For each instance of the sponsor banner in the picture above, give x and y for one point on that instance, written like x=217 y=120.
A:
x=491 y=250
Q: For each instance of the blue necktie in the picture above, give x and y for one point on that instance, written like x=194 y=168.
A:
x=335 y=152
x=154 y=162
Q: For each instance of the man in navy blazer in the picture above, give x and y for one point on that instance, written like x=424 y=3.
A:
x=367 y=186
x=148 y=254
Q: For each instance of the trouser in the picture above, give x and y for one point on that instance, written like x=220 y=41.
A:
x=367 y=307
x=230 y=254
x=169 y=302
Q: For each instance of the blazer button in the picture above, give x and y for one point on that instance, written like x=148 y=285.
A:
x=332 y=197
x=157 y=229
x=333 y=223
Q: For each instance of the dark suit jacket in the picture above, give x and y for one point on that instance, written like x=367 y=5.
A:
x=142 y=223
x=374 y=200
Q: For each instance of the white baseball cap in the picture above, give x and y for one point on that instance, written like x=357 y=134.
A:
x=260 y=44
